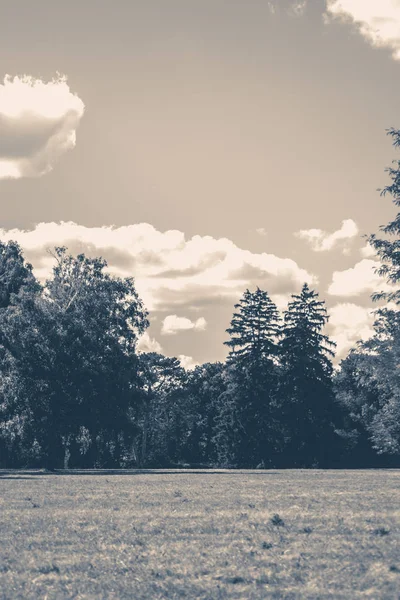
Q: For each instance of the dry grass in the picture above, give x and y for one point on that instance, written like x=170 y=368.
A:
x=225 y=534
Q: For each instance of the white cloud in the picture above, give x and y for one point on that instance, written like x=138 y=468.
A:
x=170 y=271
x=321 y=241
x=377 y=20
x=148 y=344
x=38 y=123
x=349 y=323
x=172 y=324
x=187 y=362
x=359 y=279
x=367 y=251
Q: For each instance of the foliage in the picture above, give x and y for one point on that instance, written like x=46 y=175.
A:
x=368 y=387
x=368 y=384
x=206 y=386
x=75 y=392
x=306 y=395
x=70 y=359
x=162 y=418
x=254 y=329
x=245 y=424
x=388 y=247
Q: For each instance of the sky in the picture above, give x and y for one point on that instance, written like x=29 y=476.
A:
x=203 y=147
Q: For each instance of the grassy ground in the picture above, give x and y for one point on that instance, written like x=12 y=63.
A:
x=200 y=535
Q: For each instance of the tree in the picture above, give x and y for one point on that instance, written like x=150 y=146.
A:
x=307 y=400
x=101 y=318
x=17 y=286
x=245 y=421
x=162 y=417
x=15 y=273
x=388 y=249
x=73 y=349
x=254 y=329
x=205 y=385
x=368 y=384
x=368 y=388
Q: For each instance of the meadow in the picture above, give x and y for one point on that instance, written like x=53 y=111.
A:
x=206 y=534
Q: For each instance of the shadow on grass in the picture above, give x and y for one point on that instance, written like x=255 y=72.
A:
x=28 y=474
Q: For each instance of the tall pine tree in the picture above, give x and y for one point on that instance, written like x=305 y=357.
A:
x=246 y=422
x=307 y=400
x=254 y=329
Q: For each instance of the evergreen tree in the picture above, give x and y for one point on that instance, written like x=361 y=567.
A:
x=307 y=400
x=245 y=420
x=254 y=329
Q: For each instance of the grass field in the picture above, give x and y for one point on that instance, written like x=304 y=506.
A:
x=209 y=534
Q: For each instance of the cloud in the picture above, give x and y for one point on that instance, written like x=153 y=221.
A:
x=38 y=123
x=148 y=344
x=349 y=323
x=172 y=324
x=367 y=251
x=357 y=280
x=321 y=241
x=377 y=20
x=206 y=271
x=187 y=362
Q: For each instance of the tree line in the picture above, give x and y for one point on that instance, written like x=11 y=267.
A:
x=75 y=392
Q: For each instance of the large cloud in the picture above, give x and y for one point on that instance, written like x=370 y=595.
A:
x=360 y=279
x=38 y=123
x=377 y=20
x=349 y=323
x=321 y=241
x=171 y=272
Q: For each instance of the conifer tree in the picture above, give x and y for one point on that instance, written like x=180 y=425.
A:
x=254 y=328
x=246 y=416
x=306 y=386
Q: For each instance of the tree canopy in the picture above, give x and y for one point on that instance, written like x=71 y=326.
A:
x=75 y=391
